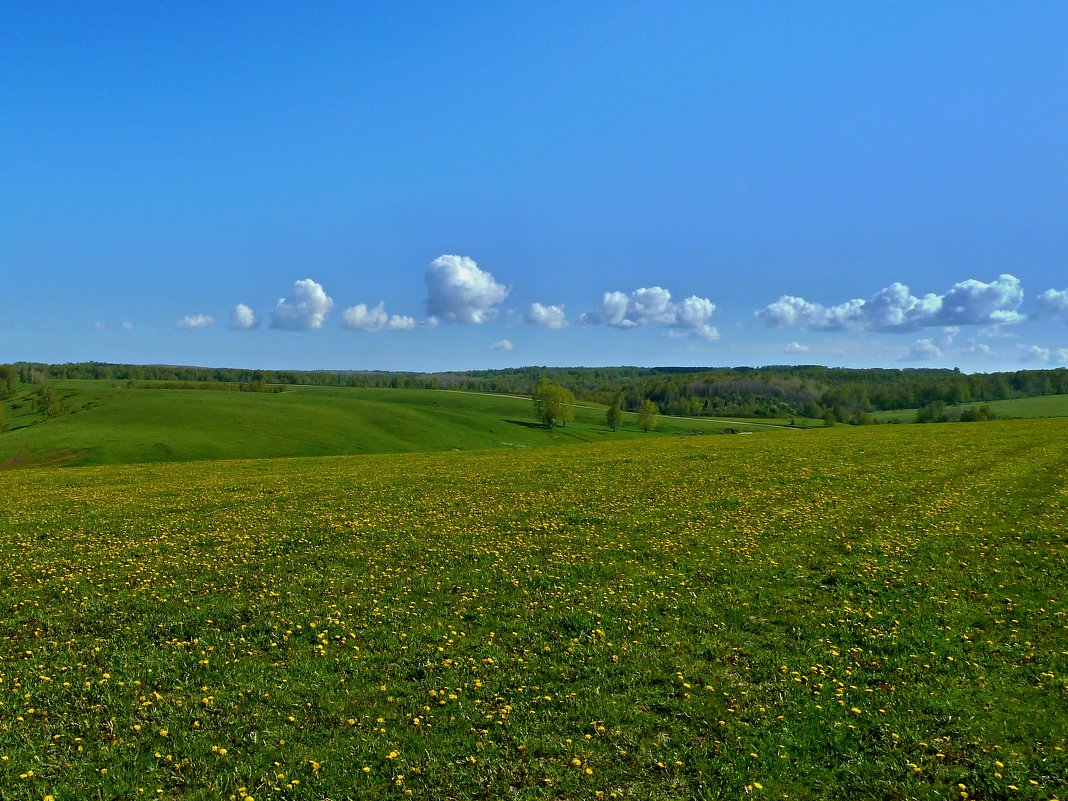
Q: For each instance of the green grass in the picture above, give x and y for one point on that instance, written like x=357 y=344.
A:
x=871 y=613
x=105 y=424
x=1017 y=408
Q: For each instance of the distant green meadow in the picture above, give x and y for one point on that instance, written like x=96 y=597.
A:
x=851 y=612
x=1021 y=408
x=107 y=423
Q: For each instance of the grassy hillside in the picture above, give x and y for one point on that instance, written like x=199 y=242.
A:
x=106 y=424
x=1018 y=408
x=871 y=612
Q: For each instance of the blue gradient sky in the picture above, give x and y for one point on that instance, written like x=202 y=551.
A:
x=163 y=163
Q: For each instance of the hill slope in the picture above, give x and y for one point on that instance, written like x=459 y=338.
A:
x=107 y=424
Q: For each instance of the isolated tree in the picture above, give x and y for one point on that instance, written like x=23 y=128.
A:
x=553 y=405
x=829 y=418
x=648 y=412
x=48 y=402
x=614 y=416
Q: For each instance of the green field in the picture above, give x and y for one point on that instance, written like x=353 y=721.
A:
x=874 y=612
x=1017 y=408
x=108 y=424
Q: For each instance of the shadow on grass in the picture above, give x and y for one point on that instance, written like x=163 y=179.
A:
x=528 y=424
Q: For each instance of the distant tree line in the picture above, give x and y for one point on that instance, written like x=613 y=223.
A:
x=226 y=386
x=840 y=394
x=37 y=373
x=810 y=391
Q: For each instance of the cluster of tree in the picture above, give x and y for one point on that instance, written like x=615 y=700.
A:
x=554 y=405
x=937 y=412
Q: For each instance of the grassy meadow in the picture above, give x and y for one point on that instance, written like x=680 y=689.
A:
x=104 y=423
x=875 y=612
x=1016 y=408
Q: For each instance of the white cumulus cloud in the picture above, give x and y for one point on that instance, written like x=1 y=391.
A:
x=242 y=318
x=1055 y=302
x=192 y=322
x=127 y=325
x=796 y=347
x=305 y=310
x=922 y=350
x=547 y=316
x=362 y=318
x=972 y=302
x=791 y=310
x=503 y=344
x=896 y=309
x=1062 y=356
x=653 y=306
x=458 y=291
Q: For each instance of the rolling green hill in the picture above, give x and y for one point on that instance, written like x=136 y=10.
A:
x=106 y=423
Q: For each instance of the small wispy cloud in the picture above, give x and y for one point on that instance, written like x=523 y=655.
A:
x=192 y=322
x=1033 y=353
x=922 y=350
x=502 y=345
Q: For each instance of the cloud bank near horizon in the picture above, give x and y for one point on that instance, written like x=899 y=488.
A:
x=459 y=291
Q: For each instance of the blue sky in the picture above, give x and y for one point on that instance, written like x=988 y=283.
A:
x=672 y=184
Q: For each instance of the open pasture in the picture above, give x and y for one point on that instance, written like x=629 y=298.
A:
x=843 y=613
